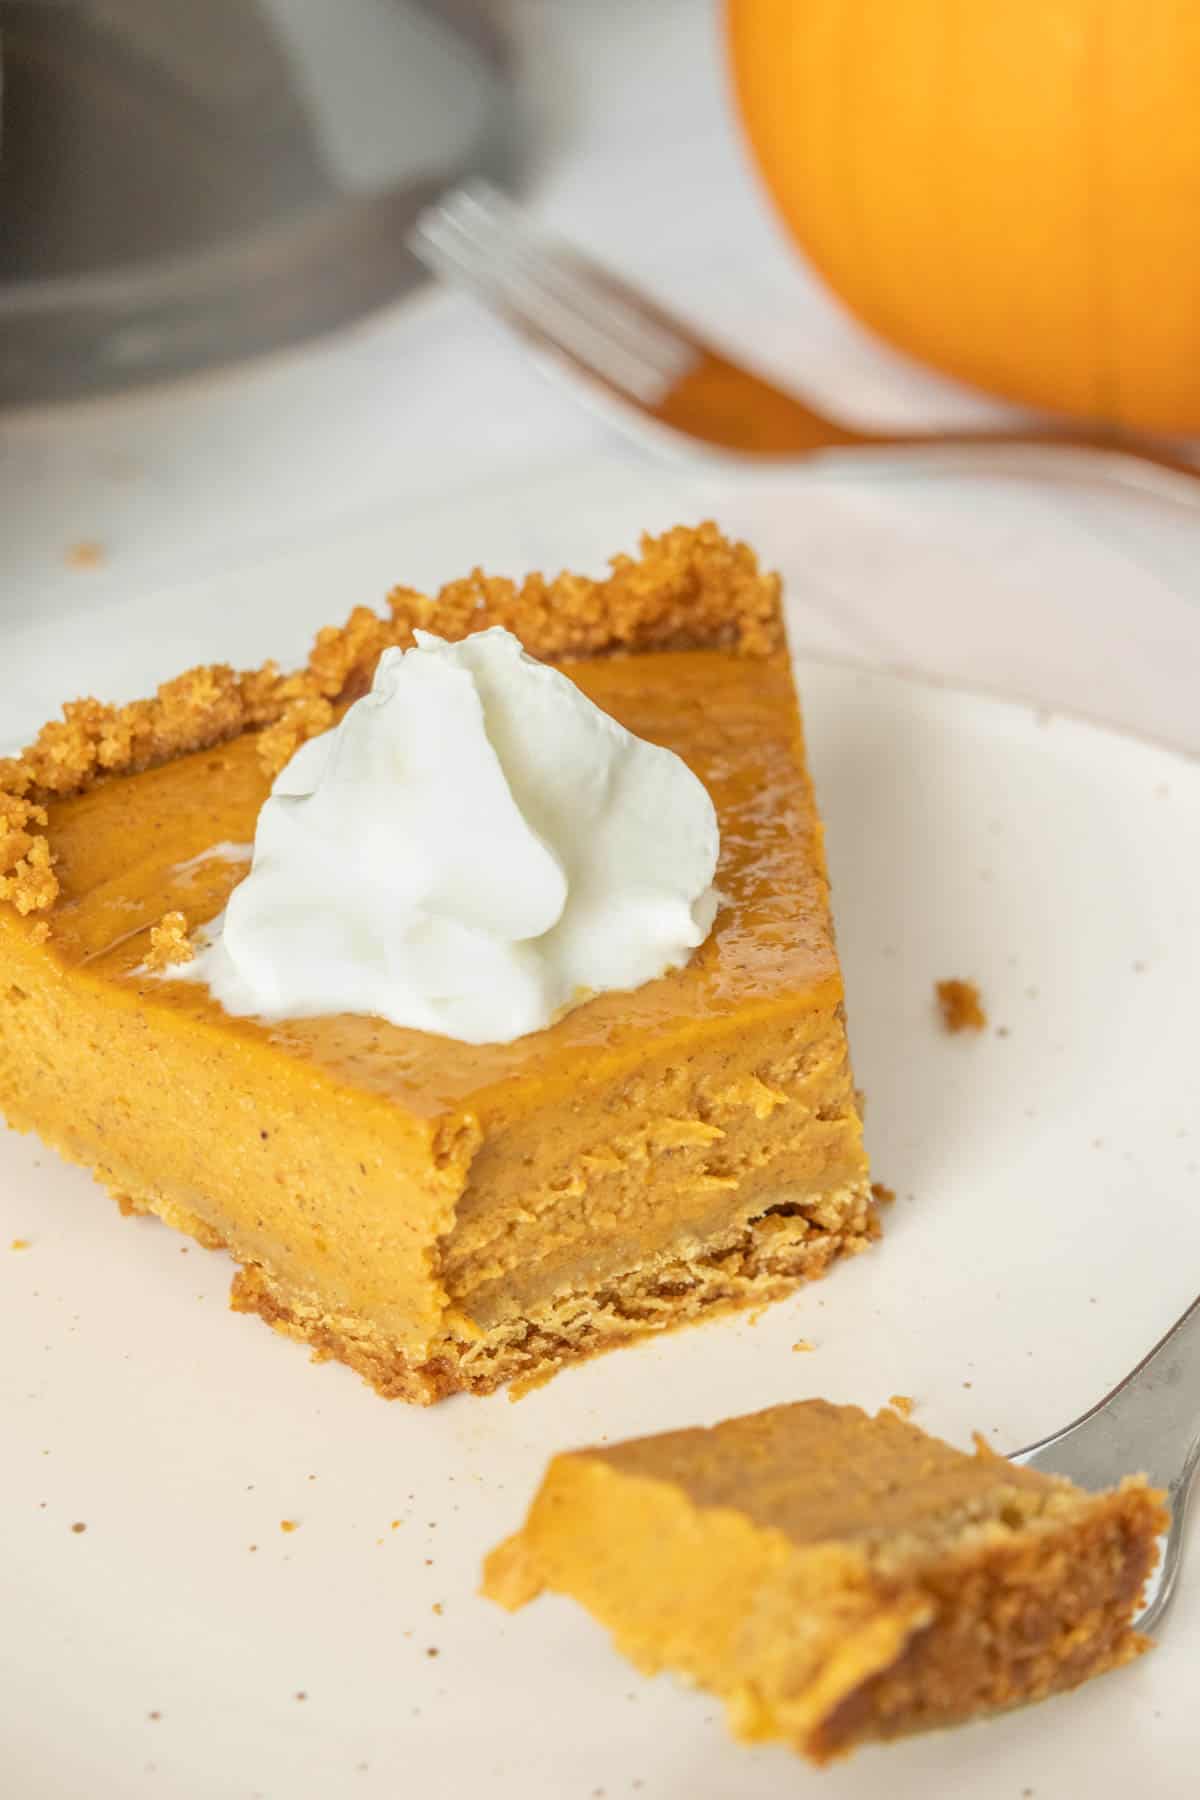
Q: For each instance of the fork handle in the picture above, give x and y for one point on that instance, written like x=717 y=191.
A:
x=719 y=403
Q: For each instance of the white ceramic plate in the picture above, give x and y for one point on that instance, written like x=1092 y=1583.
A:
x=1046 y=1232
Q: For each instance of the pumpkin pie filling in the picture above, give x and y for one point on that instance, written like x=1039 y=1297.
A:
x=445 y=1215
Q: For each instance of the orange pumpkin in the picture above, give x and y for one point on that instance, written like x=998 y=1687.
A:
x=1007 y=189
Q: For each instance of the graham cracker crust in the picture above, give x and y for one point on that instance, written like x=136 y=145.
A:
x=762 y=1263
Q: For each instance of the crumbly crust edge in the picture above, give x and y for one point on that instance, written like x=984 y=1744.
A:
x=690 y=588
x=763 y=1263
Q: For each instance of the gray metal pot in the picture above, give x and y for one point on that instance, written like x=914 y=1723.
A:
x=183 y=182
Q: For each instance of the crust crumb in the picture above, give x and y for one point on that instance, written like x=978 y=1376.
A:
x=903 y=1404
x=961 y=1006
x=86 y=554
x=303 y=719
x=30 y=882
x=169 y=942
x=882 y=1195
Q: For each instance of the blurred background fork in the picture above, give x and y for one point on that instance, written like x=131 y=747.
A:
x=661 y=379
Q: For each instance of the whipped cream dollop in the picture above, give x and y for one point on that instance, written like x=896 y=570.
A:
x=474 y=848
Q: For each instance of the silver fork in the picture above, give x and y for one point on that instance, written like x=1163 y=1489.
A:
x=657 y=373
x=1150 y=1422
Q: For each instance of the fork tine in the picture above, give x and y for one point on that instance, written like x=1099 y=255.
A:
x=484 y=213
x=508 y=268
x=550 y=325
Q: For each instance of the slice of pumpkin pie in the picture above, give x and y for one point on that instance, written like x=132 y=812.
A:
x=838 y=1578
x=480 y=1030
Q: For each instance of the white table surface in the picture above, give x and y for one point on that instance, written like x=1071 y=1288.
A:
x=1081 y=599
